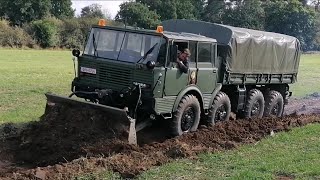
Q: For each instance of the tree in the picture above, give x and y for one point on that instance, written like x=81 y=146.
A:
x=92 y=11
x=246 y=14
x=214 y=11
x=296 y=20
x=173 y=9
x=138 y=14
x=62 y=9
x=199 y=6
x=316 y=4
x=317 y=39
x=166 y=9
x=21 y=11
x=186 y=9
x=304 y=2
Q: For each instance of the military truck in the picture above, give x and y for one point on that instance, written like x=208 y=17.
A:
x=133 y=73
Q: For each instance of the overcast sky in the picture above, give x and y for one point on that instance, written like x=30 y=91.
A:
x=112 y=6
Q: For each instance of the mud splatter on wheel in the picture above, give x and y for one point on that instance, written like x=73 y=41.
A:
x=220 y=110
x=254 y=105
x=187 y=116
x=274 y=104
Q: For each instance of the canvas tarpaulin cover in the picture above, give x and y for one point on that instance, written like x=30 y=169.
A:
x=247 y=51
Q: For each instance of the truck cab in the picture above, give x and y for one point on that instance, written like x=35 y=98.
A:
x=136 y=70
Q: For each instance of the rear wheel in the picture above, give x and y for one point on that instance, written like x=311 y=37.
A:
x=187 y=116
x=254 y=105
x=220 y=110
x=274 y=104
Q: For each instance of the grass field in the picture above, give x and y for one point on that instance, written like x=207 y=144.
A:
x=27 y=74
x=308 y=76
x=293 y=154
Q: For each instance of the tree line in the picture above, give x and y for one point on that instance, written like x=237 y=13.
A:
x=52 y=23
x=299 y=18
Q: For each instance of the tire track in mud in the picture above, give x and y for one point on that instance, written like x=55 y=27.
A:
x=130 y=161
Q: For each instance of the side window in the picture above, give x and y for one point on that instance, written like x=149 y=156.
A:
x=192 y=48
x=204 y=52
x=181 y=45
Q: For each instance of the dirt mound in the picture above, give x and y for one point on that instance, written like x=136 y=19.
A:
x=61 y=135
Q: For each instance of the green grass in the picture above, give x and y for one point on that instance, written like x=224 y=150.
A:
x=308 y=76
x=294 y=154
x=25 y=76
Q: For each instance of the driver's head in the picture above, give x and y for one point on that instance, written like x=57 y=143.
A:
x=184 y=55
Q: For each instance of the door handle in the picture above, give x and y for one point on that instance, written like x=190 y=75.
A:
x=214 y=71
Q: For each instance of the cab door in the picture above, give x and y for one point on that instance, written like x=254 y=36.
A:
x=206 y=72
x=175 y=80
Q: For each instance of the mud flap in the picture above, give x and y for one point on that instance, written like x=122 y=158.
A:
x=119 y=115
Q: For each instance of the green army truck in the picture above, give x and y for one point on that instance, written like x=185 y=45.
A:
x=133 y=74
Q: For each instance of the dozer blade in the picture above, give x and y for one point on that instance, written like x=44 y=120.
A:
x=120 y=120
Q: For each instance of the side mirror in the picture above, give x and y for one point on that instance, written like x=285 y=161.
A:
x=173 y=53
x=151 y=64
x=76 y=52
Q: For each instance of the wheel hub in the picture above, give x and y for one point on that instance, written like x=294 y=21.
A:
x=275 y=109
x=255 y=109
x=188 y=119
x=221 y=113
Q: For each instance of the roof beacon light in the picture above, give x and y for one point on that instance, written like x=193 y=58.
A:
x=160 y=29
x=102 y=22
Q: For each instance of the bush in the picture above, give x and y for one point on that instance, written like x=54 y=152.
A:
x=71 y=35
x=14 y=36
x=46 y=32
x=49 y=32
x=75 y=31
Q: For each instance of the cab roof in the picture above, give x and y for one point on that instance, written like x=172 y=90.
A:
x=187 y=36
x=166 y=34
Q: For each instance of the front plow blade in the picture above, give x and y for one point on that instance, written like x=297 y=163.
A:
x=115 y=119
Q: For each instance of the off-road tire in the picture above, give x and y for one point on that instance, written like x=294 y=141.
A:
x=187 y=102
x=220 y=109
x=274 y=104
x=255 y=101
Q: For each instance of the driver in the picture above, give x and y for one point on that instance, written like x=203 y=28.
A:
x=183 y=60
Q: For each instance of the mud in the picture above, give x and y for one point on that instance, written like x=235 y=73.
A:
x=308 y=105
x=67 y=143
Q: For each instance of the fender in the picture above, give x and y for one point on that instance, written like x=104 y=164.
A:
x=215 y=92
x=189 y=88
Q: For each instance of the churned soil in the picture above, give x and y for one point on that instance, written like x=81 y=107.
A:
x=308 y=105
x=69 y=141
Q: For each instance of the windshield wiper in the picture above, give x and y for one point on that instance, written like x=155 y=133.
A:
x=147 y=53
x=95 y=53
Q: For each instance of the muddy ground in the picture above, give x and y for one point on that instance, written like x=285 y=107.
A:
x=66 y=143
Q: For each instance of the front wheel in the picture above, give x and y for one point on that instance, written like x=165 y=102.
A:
x=220 y=109
x=187 y=116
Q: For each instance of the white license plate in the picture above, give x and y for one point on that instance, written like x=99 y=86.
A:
x=88 y=70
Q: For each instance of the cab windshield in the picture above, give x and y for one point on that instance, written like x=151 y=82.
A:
x=123 y=46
